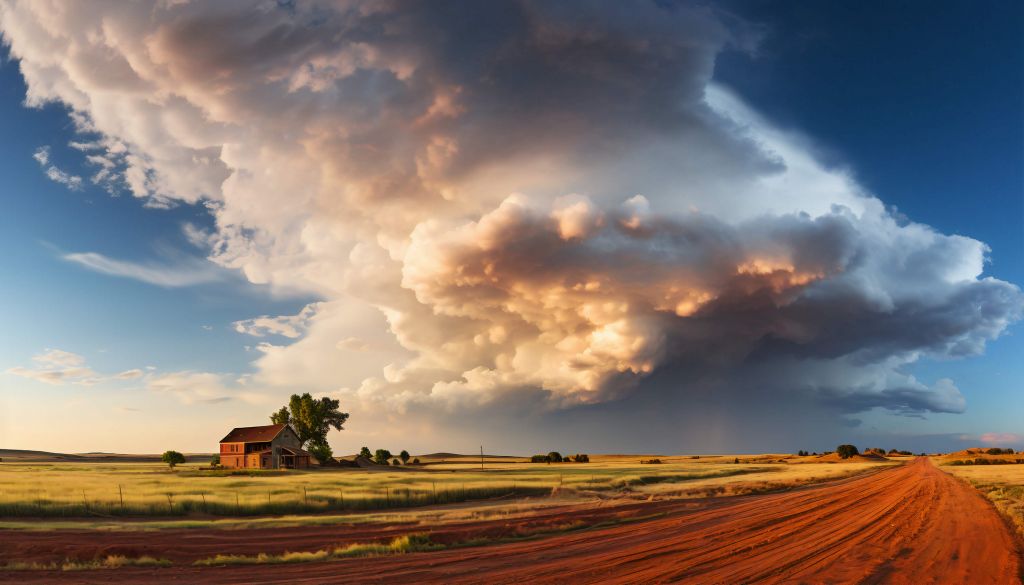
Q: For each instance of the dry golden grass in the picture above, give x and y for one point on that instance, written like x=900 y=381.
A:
x=1003 y=484
x=77 y=490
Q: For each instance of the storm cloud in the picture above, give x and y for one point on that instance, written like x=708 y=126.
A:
x=548 y=204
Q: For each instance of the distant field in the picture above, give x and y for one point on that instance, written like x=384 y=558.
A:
x=1003 y=484
x=104 y=490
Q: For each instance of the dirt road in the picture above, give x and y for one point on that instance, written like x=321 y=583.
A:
x=912 y=524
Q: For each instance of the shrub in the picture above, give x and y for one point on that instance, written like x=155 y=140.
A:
x=736 y=460
x=581 y=458
x=395 y=462
x=172 y=458
x=995 y=451
x=651 y=461
x=802 y=453
x=416 y=461
x=555 y=457
x=215 y=461
x=846 y=451
x=540 y=459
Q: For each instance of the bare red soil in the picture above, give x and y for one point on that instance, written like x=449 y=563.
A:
x=911 y=525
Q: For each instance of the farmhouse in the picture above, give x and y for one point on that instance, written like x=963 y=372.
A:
x=266 y=447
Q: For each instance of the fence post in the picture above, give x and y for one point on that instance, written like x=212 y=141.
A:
x=341 y=498
x=433 y=488
x=305 y=496
x=387 y=495
x=205 y=508
x=120 y=493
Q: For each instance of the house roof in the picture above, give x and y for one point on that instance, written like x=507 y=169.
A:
x=253 y=434
x=294 y=451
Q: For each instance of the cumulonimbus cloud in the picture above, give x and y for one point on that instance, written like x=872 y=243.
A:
x=560 y=208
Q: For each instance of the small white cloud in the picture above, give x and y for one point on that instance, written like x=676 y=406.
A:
x=130 y=374
x=290 y=326
x=57 y=367
x=1002 y=438
x=54 y=173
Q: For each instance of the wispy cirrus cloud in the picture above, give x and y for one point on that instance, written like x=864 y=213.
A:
x=189 y=272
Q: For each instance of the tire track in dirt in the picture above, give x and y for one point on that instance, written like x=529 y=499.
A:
x=908 y=525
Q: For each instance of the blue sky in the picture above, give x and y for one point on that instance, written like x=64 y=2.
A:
x=927 y=114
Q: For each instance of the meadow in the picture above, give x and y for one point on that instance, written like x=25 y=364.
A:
x=114 y=490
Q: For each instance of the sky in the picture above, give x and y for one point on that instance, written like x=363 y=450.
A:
x=587 y=227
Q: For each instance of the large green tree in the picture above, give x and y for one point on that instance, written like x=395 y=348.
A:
x=311 y=418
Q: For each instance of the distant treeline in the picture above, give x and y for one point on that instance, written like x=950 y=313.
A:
x=556 y=457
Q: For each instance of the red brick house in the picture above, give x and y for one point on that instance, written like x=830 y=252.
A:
x=266 y=447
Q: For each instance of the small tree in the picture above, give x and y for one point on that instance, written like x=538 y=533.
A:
x=172 y=458
x=322 y=452
x=847 y=451
x=365 y=452
x=382 y=456
x=215 y=461
x=554 y=457
x=404 y=456
x=395 y=462
x=416 y=461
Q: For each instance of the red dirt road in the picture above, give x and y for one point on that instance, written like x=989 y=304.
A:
x=913 y=524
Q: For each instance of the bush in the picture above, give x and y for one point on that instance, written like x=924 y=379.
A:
x=381 y=456
x=172 y=458
x=581 y=458
x=555 y=457
x=651 y=461
x=802 y=453
x=995 y=451
x=736 y=460
x=215 y=461
x=846 y=451
x=540 y=459
x=395 y=463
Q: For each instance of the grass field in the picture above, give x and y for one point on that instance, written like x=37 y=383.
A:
x=110 y=490
x=1003 y=484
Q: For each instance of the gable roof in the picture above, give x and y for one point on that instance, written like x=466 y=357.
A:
x=262 y=434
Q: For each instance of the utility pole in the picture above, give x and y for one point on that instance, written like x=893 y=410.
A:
x=481 y=457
